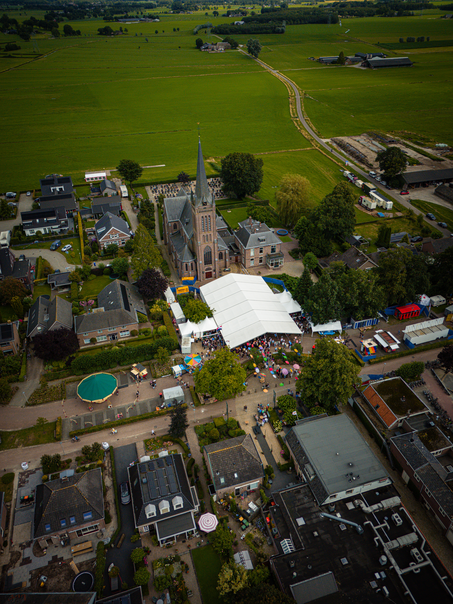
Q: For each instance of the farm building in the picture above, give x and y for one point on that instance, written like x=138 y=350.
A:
x=427 y=177
x=379 y=62
x=445 y=192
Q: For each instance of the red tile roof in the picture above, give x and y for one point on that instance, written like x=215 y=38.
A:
x=380 y=406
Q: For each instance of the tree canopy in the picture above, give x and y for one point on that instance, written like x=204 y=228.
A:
x=242 y=174
x=328 y=376
x=323 y=301
x=178 y=423
x=152 y=284
x=55 y=345
x=402 y=275
x=130 y=170
x=392 y=161
x=222 y=541
x=303 y=287
x=441 y=273
x=11 y=288
x=292 y=196
x=311 y=238
x=222 y=377
x=120 y=266
x=445 y=357
x=146 y=254
x=335 y=215
x=254 y=47
x=196 y=310
x=232 y=579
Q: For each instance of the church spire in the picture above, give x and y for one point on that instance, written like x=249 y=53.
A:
x=202 y=191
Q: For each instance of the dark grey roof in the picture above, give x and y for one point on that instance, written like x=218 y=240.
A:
x=107 y=185
x=75 y=496
x=6 y=332
x=428 y=468
x=397 y=237
x=132 y=596
x=444 y=191
x=59 y=279
x=234 y=461
x=353 y=258
x=160 y=481
x=174 y=207
x=413 y=178
x=21 y=268
x=48 y=314
x=437 y=246
x=121 y=295
x=55 y=185
x=203 y=194
x=102 y=207
x=65 y=200
x=186 y=219
x=253 y=234
x=220 y=223
x=35 y=215
x=110 y=221
x=175 y=526
x=182 y=249
x=7 y=259
x=389 y=62
x=364 y=55
x=102 y=320
x=221 y=243
x=52 y=598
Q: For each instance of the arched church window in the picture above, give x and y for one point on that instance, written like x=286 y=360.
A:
x=207 y=255
x=220 y=255
x=209 y=223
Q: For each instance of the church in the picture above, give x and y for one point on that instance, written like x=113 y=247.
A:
x=190 y=230
x=200 y=242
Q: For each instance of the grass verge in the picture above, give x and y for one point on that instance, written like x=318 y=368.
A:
x=207 y=565
x=28 y=437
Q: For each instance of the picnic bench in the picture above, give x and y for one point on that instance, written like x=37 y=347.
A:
x=82 y=548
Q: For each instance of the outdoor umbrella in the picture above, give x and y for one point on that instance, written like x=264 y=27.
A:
x=97 y=388
x=208 y=522
x=284 y=371
x=296 y=366
x=192 y=360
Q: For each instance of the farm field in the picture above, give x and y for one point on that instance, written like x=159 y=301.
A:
x=92 y=100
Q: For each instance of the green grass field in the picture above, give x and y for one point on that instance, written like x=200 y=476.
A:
x=207 y=565
x=90 y=101
x=441 y=213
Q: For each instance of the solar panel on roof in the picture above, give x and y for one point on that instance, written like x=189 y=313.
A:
x=169 y=461
x=160 y=463
x=173 y=486
x=153 y=491
x=151 y=466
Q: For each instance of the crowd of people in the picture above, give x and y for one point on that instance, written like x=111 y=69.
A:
x=172 y=189
x=302 y=323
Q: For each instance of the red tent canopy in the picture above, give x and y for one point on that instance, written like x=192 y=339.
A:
x=407 y=311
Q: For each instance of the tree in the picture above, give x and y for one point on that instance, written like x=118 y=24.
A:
x=384 y=234
x=142 y=576
x=222 y=377
x=263 y=593
x=310 y=261
x=303 y=287
x=137 y=555
x=130 y=170
x=323 y=302
x=417 y=276
x=162 y=355
x=196 y=310
x=341 y=59
x=56 y=345
x=253 y=47
x=111 y=249
x=198 y=43
x=17 y=306
x=392 y=161
x=445 y=357
x=311 y=238
x=146 y=255
x=361 y=295
x=392 y=274
x=183 y=177
x=152 y=284
x=5 y=390
x=40 y=422
x=232 y=579
x=178 y=423
x=293 y=195
x=410 y=372
x=68 y=30
x=11 y=288
x=328 y=376
x=441 y=273
x=222 y=541
x=55 y=32
x=241 y=173
x=335 y=215
x=120 y=266
x=231 y=41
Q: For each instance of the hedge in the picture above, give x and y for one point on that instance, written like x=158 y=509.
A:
x=411 y=351
x=115 y=490
x=23 y=368
x=108 y=359
x=194 y=395
x=38 y=268
x=126 y=218
x=169 y=325
x=58 y=428
x=118 y=422
x=79 y=222
x=286 y=454
x=190 y=465
x=100 y=568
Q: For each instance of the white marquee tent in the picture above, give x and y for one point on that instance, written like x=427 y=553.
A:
x=331 y=326
x=197 y=329
x=245 y=308
x=288 y=302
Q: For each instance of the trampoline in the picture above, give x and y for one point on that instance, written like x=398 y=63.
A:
x=282 y=232
x=83 y=582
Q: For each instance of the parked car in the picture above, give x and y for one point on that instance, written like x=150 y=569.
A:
x=125 y=493
x=388 y=187
x=55 y=245
x=404 y=193
x=28 y=193
x=372 y=174
x=10 y=195
x=444 y=225
x=66 y=248
x=430 y=216
x=416 y=239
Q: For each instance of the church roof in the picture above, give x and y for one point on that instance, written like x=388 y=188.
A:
x=202 y=191
x=174 y=207
x=182 y=249
x=186 y=219
x=221 y=243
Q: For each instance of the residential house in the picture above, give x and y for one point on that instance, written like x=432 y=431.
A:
x=428 y=475
x=108 y=188
x=59 y=280
x=116 y=316
x=69 y=507
x=9 y=338
x=48 y=315
x=234 y=465
x=437 y=246
x=112 y=229
x=100 y=208
x=393 y=401
x=162 y=498
x=130 y=596
x=190 y=230
x=17 y=269
x=353 y=258
x=331 y=456
x=52 y=220
x=258 y=245
x=57 y=191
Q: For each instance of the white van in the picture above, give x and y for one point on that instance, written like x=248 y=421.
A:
x=123 y=191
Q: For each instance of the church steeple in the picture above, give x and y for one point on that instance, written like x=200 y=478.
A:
x=203 y=194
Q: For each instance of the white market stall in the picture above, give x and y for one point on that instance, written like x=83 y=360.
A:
x=330 y=328
x=173 y=394
x=198 y=330
x=178 y=313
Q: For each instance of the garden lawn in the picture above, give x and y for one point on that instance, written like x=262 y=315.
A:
x=207 y=565
x=28 y=437
x=92 y=288
x=441 y=213
x=399 y=225
x=7 y=489
x=41 y=290
x=234 y=216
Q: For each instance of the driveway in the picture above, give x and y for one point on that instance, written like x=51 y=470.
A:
x=56 y=260
x=24 y=204
x=122 y=557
